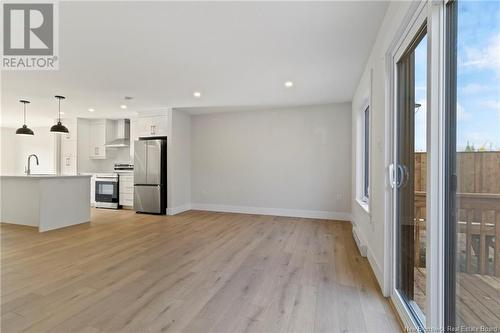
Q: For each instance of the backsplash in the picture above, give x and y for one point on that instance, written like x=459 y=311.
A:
x=113 y=155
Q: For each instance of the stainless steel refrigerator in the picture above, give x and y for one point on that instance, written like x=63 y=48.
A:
x=150 y=175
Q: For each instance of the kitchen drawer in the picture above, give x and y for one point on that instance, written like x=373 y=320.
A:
x=126 y=178
x=127 y=196
x=127 y=203
x=126 y=189
x=126 y=199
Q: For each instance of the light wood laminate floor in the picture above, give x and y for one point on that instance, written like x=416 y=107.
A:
x=194 y=272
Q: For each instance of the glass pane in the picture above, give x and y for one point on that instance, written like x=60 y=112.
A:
x=106 y=189
x=411 y=179
x=367 y=153
x=477 y=158
x=420 y=173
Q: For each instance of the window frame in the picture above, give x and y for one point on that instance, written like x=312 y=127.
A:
x=363 y=163
x=366 y=154
x=417 y=14
x=450 y=181
x=434 y=12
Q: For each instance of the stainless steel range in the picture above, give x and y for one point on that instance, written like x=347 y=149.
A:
x=106 y=190
x=124 y=167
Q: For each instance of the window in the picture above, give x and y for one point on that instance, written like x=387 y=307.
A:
x=444 y=199
x=366 y=154
x=363 y=156
x=473 y=155
x=411 y=196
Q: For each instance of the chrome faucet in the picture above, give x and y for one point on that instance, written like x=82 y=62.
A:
x=28 y=170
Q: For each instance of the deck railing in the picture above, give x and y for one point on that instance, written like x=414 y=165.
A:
x=478 y=240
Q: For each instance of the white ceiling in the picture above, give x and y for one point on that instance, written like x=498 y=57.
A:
x=234 y=53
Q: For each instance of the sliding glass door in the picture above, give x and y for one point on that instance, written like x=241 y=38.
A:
x=472 y=272
x=410 y=175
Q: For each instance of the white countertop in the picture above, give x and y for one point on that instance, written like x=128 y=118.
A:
x=41 y=176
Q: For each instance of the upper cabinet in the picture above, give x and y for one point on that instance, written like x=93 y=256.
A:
x=148 y=125
x=100 y=131
x=152 y=126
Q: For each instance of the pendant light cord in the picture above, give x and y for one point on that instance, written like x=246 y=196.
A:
x=59 y=109
x=24 y=107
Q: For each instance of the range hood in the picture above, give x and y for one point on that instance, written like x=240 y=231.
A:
x=122 y=134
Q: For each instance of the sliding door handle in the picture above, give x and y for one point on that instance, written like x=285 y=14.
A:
x=400 y=174
x=392 y=177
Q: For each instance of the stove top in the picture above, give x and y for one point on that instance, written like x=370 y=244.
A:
x=124 y=167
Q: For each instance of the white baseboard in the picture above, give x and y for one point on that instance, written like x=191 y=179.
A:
x=366 y=251
x=359 y=242
x=178 y=209
x=313 y=214
x=376 y=269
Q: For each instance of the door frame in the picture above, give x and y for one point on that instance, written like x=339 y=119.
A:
x=436 y=163
x=431 y=13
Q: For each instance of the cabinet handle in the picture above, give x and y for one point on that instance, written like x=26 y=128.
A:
x=153 y=129
x=67 y=161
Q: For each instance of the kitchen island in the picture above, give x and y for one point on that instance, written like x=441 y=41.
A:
x=47 y=202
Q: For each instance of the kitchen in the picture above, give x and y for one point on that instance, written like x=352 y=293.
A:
x=100 y=149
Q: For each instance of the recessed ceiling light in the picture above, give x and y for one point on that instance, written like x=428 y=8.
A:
x=288 y=84
x=91 y=110
x=123 y=106
x=197 y=94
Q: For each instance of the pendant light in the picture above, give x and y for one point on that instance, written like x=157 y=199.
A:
x=25 y=130
x=59 y=128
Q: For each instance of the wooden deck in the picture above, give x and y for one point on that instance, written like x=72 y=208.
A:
x=478 y=298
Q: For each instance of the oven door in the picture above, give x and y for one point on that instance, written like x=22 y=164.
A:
x=106 y=191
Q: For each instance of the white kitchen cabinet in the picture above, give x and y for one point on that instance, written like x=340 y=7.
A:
x=68 y=148
x=92 y=190
x=148 y=126
x=126 y=189
x=152 y=126
x=97 y=149
x=134 y=135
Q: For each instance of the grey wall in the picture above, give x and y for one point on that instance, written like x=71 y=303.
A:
x=296 y=158
x=180 y=140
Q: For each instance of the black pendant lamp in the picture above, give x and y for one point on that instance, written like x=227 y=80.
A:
x=59 y=128
x=25 y=130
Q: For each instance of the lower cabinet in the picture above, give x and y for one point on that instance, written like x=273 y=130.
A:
x=92 y=191
x=126 y=189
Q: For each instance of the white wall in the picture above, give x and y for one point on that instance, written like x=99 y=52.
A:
x=16 y=148
x=180 y=144
x=370 y=227
x=8 y=151
x=290 y=161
